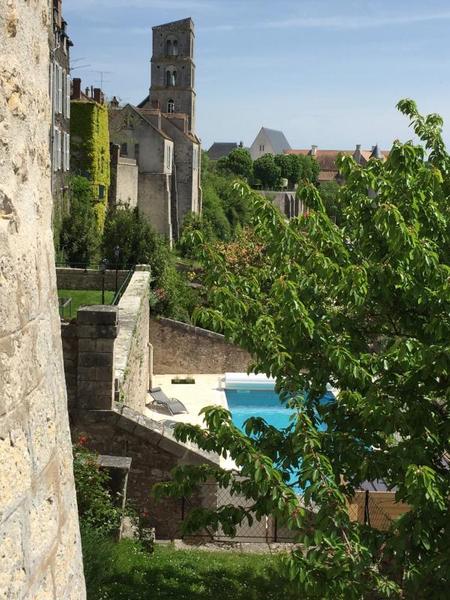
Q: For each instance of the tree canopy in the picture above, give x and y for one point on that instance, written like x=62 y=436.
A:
x=364 y=307
x=266 y=170
x=296 y=168
x=238 y=162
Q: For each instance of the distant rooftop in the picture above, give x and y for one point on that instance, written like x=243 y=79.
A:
x=277 y=139
x=221 y=149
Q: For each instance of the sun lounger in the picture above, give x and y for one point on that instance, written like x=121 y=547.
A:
x=161 y=402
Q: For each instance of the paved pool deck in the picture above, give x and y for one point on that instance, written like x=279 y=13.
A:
x=207 y=390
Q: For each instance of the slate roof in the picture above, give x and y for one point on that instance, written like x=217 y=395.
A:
x=221 y=149
x=277 y=140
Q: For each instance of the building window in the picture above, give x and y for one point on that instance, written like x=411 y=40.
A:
x=171 y=78
x=124 y=149
x=136 y=152
x=101 y=192
x=261 y=147
x=169 y=157
x=170 y=106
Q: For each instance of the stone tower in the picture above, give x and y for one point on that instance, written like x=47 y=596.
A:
x=173 y=69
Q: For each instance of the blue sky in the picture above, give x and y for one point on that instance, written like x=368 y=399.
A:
x=326 y=72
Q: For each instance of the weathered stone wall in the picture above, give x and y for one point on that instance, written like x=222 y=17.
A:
x=88 y=279
x=153 y=452
x=127 y=182
x=131 y=352
x=179 y=348
x=40 y=553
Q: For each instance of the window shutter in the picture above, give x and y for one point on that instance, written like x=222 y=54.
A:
x=58 y=149
x=68 y=147
x=55 y=149
x=68 y=96
x=60 y=91
x=55 y=87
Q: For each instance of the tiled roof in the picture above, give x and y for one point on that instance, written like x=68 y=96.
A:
x=221 y=149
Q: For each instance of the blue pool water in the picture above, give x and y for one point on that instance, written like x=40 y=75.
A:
x=260 y=403
x=266 y=404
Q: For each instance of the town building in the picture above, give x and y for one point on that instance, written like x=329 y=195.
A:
x=89 y=147
x=327 y=159
x=160 y=132
x=60 y=45
x=269 y=141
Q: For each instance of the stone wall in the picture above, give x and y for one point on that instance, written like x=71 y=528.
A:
x=40 y=555
x=179 y=348
x=154 y=452
x=88 y=279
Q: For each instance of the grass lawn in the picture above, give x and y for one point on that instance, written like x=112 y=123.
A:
x=123 y=571
x=83 y=298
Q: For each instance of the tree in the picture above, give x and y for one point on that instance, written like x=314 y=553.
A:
x=328 y=192
x=238 y=163
x=364 y=307
x=79 y=238
x=140 y=244
x=296 y=168
x=267 y=171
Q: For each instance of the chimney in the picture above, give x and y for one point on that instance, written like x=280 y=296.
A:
x=98 y=95
x=313 y=150
x=86 y=91
x=241 y=144
x=76 y=88
x=358 y=147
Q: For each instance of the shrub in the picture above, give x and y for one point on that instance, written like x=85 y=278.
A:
x=79 y=238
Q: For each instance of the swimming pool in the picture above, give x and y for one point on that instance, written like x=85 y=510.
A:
x=255 y=396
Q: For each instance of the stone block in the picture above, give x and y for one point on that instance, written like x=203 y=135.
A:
x=87 y=345
x=15 y=468
x=98 y=315
x=95 y=359
x=104 y=345
x=13 y=574
x=104 y=374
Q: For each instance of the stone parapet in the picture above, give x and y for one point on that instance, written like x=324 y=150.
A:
x=132 y=345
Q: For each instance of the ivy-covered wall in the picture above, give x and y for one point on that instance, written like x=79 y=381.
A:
x=90 y=150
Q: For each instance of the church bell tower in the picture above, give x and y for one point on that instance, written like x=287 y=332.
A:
x=173 y=69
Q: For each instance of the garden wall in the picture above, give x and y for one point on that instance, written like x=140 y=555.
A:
x=153 y=452
x=179 y=348
x=88 y=279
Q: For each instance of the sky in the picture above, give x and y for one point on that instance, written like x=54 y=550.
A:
x=325 y=72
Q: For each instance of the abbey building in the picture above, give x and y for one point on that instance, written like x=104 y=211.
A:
x=159 y=133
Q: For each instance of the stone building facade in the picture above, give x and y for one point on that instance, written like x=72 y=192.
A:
x=60 y=45
x=40 y=553
x=160 y=132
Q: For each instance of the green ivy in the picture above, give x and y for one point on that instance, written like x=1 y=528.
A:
x=90 y=150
